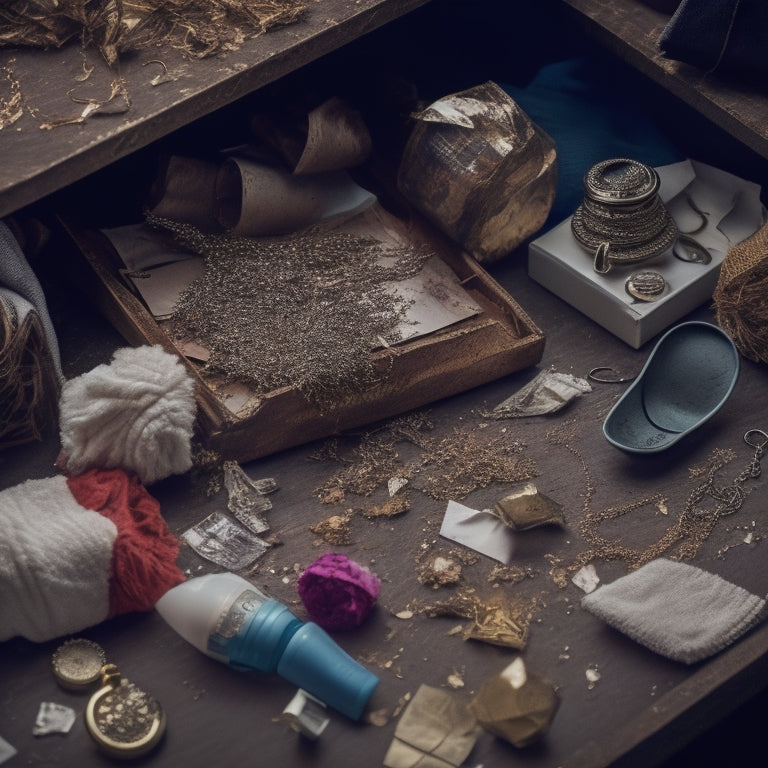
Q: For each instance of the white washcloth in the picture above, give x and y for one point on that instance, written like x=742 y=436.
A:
x=676 y=609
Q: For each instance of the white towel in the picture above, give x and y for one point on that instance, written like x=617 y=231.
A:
x=677 y=609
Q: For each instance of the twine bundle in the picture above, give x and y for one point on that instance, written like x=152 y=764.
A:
x=741 y=296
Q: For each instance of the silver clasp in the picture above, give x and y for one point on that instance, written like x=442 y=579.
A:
x=757 y=439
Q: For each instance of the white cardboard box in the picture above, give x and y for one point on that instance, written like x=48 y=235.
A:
x=732 y=210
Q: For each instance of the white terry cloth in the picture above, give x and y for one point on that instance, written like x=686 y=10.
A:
x=17 y=276
x=136 y=414
x=54 y=579
x=677 y=609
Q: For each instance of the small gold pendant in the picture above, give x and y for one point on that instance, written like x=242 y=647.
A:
x=77 y=663
x=123 y=720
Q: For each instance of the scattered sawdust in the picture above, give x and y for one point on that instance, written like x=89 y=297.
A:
x=11 y=105
x=469 y=459
x=380 y=717
x=456 y=679
x=439 y=569
x=334 y=530
x=451 y=468
x=498 y=620
x=397 y=505
x=513 y=574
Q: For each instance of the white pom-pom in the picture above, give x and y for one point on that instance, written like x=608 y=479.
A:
x=137 y=413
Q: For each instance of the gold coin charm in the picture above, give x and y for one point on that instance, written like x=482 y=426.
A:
x=77 y=663
x=646 y=286
x=123 y=720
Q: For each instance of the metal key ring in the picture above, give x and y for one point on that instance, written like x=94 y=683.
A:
x=759 y=444
x=618 y=379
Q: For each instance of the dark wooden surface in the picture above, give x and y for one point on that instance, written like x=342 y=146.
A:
x=631 y=30
x=38 y=162
x=641 y=710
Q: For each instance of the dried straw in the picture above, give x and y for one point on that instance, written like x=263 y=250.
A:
x=741 y=296
x=199 y=28
x=28 y=385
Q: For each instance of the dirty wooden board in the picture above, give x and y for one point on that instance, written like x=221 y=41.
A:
x=38 y=162
x=642 y=707
x=631 y=29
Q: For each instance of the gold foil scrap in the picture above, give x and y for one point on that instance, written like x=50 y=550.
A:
x=515 y=705
x=527 y=508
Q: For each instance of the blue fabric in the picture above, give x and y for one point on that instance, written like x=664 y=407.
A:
x=590 y=113
x=719 y=35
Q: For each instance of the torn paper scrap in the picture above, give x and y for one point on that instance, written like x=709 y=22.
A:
x=437 y=730
x=53 y=718
x=548 y=392
x=225 y=542
x=481 y=531
x=586 y=578
x=246 y=499
x=7 y=751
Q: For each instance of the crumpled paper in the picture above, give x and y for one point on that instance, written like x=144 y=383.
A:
x=437 y=730
x=516 y=706
x=548 y=392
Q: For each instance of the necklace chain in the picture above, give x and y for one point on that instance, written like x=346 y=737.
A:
x=687 y=534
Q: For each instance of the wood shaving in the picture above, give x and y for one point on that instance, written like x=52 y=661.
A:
x=11 y=106
x=198 y=28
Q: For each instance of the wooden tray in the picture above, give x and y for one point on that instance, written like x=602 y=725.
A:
x=500 y=340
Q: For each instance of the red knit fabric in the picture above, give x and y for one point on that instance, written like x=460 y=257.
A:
x=145 y=551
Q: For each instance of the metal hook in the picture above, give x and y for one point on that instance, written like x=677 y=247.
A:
x=618 y=379
x=759 y=444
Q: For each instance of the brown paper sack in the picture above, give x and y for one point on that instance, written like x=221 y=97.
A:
x=741 y=296
x=480 y=170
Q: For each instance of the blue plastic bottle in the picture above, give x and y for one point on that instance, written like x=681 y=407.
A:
x=229 y=619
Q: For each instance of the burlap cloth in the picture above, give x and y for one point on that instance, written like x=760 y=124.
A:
x=741 y=296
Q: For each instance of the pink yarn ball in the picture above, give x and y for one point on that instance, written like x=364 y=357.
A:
x=337 y=592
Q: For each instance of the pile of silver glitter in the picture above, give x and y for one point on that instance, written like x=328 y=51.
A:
x=302 y=311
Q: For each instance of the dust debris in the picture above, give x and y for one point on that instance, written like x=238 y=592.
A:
x=380 y=717
x=470 y=459
x=456 y=679
x=439 y=569
x=334 y=530
x=498 y=621
x=511 y=574
x=207 y=469
x=11 y=106
x=593 y=676
x=452 y=467
x=392 y=507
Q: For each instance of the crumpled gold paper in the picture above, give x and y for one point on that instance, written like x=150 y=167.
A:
x=527 y=508
x=516 y=706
